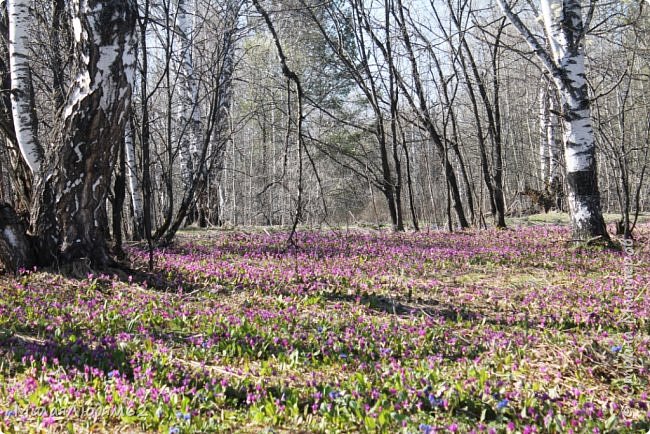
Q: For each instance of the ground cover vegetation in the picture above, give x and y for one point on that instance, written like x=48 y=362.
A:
x=349 y=331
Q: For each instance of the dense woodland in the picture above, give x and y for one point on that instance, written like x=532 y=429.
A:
x=131 y=121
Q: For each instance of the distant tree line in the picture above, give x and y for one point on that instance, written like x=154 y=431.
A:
x=133 y=119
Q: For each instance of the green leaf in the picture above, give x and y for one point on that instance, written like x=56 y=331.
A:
x=610 y=422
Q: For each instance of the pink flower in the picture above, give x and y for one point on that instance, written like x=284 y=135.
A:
x=48 y=421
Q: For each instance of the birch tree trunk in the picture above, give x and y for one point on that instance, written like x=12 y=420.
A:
x=564 y=25
x=135 y=187
x=226 y=74
x=190 y=115
x=565 y=62
x=554 y=145
x=544 y=127
x=69 y=212
x=22 y=93
x=549 y=146
x=15 y=167
x=221 y=135
x=554 y=181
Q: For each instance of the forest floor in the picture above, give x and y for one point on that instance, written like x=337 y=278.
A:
x=352 y=331
x=562 y=218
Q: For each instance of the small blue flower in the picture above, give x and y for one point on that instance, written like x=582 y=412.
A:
x=616 y=348
x=343 y=356
x=187 y=416
x=426 y=429
x=335 y=394
x=174 y=430
x=10 y=413
x=435 y=402
x=502 y=404
x=320 y=329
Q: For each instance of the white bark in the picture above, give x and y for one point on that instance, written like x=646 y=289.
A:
x=94 y=116
x=532 y=41
x=563 y=23
x=544 y=126
x=551 y=12
x=554 y=143
x=549 y=145
x=190 y=114
x=566 y=64
x=221 y=133
x=222 y=204
x=22 y=103
x=132 y=175
x=579 y=135
x=221 y=130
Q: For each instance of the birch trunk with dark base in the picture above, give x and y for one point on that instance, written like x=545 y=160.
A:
x=94 y=120
x=584 y=204
x=555 y=148
x=565 y=27
x=565 y=62
x=68 y=212
x=550 y=146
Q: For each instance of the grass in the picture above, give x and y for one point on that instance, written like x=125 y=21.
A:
x=361 y=331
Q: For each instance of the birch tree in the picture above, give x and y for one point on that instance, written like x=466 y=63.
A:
x=68 y=214
x=554 y=148
x=81 y=163
x=22 y=94
x=13 y=164
x=544 y=121
x=135 y=186
x=190 y=114
x=549 y=145
x=202 y=113
x=565 y=61
x=209 y=202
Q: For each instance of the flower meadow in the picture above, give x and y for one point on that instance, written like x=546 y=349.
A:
x=349 y=331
